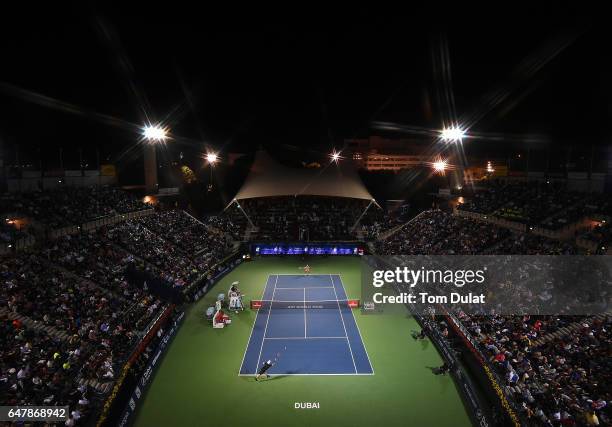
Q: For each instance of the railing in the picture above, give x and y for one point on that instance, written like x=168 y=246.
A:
x=508 y=406
x=97 y=223
x=567 y=232
x=392 y=231
x=119 y=397
x=19 y=245
x=504 y=223
x=214 y=274
x=587 y=244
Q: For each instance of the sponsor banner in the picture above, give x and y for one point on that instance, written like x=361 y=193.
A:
x=147 y=375
x=213 y=280
x=487 y=284
x=307 y=249
x=462 y=381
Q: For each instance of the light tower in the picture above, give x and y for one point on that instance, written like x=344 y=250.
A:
x=153 y=135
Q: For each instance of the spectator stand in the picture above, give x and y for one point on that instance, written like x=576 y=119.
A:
x=200 y=287
x=478 y=404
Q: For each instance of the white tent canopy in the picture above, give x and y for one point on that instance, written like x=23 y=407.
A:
x=268 y=178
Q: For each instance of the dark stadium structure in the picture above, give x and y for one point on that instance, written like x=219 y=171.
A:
x=203 y=252
x=89 y=293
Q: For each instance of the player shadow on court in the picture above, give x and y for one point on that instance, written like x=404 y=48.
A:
x=444 y=379
x=263 y=380
x=276 y=377
x=424 y=342
x=269 y=378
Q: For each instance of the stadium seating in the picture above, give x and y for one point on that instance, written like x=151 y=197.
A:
x=439 y=233
x=300 y=218
x=555 y=369
x=70 y=205
x=71 y=314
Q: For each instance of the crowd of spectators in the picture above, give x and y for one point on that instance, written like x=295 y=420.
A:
x=70 y=205
x=224 y=224
x=377 y=222
x=303 y=218
x=86 y=314
x=82 y=331
x=9 y=232
x=530 y=244
x=177 y=269
x=560 y=381
x=565 y=381
x=439 y=233
x=546 y=204
x=70 y=312
x=36 y=368
x=204 y=243
x=601 y=235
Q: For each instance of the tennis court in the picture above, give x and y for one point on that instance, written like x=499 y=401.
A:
x=305 y=323
x=200 y=370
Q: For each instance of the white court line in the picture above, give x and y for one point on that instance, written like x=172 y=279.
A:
x=358 y=330
x=263 y=293
x=298 y=302
x=310 y=287
x=303 y=275
x=305 y=334
x=306 y=375
x=307 y=338
x=343 y=325
x=266 y=328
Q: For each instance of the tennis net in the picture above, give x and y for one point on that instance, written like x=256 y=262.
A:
x=304 y=305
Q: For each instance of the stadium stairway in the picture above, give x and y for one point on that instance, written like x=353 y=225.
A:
x=385 y=235
x=34 y=324
x=101 y=387
x=97 y=385
x=171 y=243
x=567 y=330
x=84 y=280
x=248 y=231
x=371 y=248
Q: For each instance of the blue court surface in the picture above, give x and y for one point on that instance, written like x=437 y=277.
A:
x=305 y=338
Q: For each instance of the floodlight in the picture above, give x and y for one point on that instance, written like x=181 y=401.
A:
x=154 y=133
x=452 y=134
x=439 y=165
x=211 y=158
x=335 y=156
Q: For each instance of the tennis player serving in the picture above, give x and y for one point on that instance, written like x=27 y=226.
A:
x=261 y=374
x=262 y=371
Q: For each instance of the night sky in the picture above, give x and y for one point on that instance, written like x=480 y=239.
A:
x=299 y=81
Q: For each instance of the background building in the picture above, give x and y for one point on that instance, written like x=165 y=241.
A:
x=378 y=153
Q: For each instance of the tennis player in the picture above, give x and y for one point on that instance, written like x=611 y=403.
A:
x=262 y=372
x=307 y=269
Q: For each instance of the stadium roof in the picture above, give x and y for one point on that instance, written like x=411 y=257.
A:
x=268 y=178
